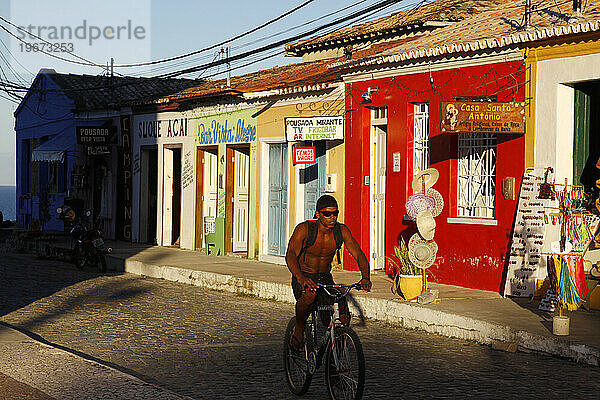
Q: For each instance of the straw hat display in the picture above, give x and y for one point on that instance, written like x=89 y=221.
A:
x=419 y=202
x=428 y=176
x=426 y=225
x=421 y=252
x=438 y=201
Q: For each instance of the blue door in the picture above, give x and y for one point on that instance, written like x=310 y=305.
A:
x=313 y=178
x=278 y=182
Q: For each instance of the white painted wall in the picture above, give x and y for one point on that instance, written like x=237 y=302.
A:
x=188 y=156
x=554 y=110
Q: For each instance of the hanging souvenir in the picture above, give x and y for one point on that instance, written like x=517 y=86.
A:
x=546 y=189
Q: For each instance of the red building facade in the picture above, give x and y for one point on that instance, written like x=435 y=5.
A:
x=472 y=250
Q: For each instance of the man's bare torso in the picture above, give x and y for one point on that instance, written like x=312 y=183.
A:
x=320 y=255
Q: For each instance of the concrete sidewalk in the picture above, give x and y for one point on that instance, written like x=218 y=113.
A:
x=481 y=316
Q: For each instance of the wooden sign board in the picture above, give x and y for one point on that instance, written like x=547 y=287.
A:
x=482 y=116
x=529 y=232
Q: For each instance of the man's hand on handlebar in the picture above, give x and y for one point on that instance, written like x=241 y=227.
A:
x=308 y=285
x=365 y=284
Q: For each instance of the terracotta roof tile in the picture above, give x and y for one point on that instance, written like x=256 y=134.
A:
x=440 y=10
x=94 y=92
x=289 y=78
x=500 y=27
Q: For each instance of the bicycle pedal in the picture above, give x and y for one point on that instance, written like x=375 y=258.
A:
x=312 y=362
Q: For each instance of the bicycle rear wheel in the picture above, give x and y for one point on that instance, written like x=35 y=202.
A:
x=297 y=373
x=346 y=380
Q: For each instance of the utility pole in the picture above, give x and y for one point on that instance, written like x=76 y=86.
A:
x=576 y=11
x=228 y=54
x=527 y=15
x=112 y=65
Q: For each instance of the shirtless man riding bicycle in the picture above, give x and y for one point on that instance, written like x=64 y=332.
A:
x=311 y=265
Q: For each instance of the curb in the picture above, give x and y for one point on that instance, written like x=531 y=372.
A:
x=395 y=312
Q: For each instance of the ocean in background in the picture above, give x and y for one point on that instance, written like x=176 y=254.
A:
x=7 y=202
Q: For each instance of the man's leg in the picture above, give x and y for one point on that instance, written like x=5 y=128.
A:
x=303 y=308
x=344 y=312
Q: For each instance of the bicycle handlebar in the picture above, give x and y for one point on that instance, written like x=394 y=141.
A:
x=339 y=286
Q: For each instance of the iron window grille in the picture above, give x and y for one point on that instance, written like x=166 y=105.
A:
x=421 y=138
x=477 y=175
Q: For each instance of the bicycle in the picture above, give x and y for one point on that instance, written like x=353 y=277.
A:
x=339 y=346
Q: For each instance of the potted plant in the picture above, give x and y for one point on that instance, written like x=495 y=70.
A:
x=408 y=278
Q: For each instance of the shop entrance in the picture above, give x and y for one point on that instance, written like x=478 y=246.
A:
x=171 y=218
x=148 y=200
x=313 y=178
x=378 y=186
x=277 y=214
x=206 y=192
x=241 y=179
x=586 y=145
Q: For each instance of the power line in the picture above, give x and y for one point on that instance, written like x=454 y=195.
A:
x=87 y=62
x=332 y=29
x=167 y=67
x=338 y=21
x=47 y=53
x=221 y=43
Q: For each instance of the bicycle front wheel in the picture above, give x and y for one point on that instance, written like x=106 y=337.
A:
x=297 y=373
x=345 y=366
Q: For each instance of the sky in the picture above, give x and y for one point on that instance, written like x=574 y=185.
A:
x=136 y=31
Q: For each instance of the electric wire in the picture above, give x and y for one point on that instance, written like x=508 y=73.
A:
x=284 y=41
x=167 y=67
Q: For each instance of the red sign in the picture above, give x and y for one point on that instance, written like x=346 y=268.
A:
x=305 y=155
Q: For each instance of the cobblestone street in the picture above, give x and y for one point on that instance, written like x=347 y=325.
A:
x=207 y=344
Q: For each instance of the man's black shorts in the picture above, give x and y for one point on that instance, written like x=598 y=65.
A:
x=325 y=279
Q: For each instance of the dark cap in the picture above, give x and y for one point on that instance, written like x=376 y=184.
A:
x=326 y=201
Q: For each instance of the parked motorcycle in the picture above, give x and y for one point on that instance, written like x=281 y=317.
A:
x=88 y=244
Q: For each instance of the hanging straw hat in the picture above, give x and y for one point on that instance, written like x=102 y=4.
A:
x=417 y=203
x=426 y=224
x=438 y=201
x=430 y=176
x=420 y=252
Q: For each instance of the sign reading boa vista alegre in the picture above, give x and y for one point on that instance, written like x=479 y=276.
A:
x=232 y=127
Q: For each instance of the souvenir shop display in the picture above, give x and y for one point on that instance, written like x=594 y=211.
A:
x=425 y=204
x=552 y=232
x=525 y=263
x=577 y=227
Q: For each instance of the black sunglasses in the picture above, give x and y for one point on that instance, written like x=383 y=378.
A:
x=330 y=213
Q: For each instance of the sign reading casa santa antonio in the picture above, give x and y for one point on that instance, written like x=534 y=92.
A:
x=482 y=116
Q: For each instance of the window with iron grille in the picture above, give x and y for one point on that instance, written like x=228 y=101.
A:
x=421 y=146
x=477 y=175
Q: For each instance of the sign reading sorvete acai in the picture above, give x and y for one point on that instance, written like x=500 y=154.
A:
x=482 y=116
x=314 y=128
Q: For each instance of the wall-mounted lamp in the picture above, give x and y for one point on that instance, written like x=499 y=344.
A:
x=366 y=96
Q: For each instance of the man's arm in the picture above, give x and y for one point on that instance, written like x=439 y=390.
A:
x=354 y=249
x=293 y=252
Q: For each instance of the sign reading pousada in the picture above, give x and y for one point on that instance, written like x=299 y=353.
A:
x=314 y=128
x=482 y=116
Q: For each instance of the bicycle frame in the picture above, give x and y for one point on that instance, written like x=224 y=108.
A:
x=319 y=349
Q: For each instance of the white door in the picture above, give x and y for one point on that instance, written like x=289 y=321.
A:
x=167 y=214
x=241 y=165
x=378 y=173
x=209 y=195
